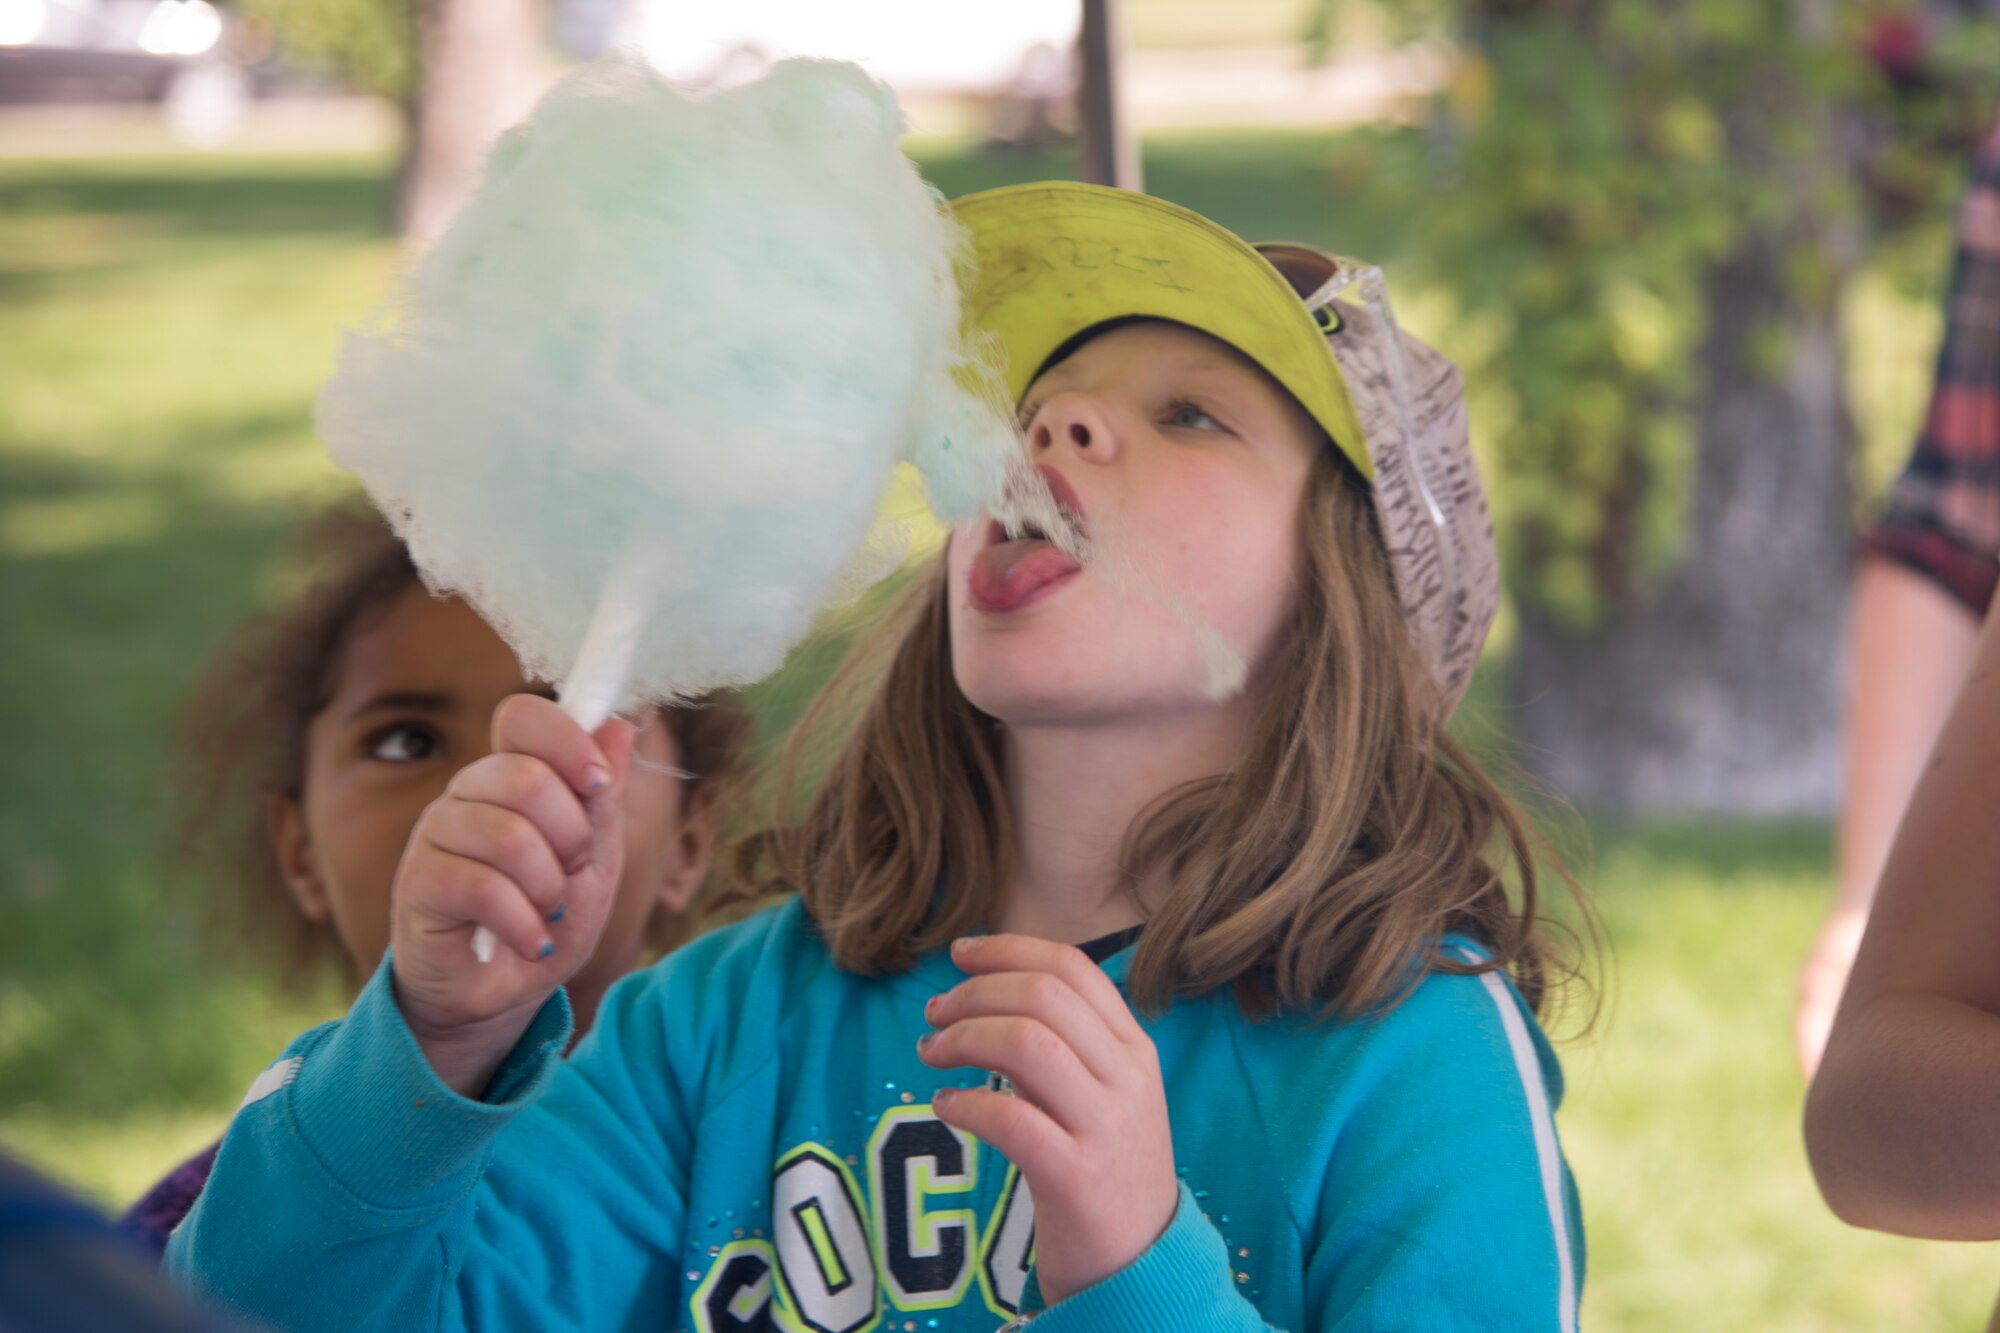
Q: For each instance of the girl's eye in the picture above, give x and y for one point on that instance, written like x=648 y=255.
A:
x=1027 y=415
x=1187 y=416
x=404 y=743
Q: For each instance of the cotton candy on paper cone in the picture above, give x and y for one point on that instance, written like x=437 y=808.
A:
x=640 y=404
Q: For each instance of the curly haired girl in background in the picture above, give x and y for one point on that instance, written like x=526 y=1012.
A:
x=324 y=728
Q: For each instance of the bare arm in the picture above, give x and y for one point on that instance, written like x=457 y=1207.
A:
x=1900 y=1123
x=1910 y=644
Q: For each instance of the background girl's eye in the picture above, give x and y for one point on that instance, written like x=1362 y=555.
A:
x=404 y=743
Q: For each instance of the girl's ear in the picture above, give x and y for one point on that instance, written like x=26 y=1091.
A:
x=286 y=820
x=694 y=847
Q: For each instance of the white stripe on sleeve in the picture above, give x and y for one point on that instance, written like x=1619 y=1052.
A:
x=1528 y=1066
x=268 y=1082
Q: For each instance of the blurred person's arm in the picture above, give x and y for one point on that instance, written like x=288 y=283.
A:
x=1900 y=1121
x=1927 y=575
x=65 y=1269
x=1910 y=643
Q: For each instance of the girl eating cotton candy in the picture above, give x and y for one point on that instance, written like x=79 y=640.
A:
x=1148 y=957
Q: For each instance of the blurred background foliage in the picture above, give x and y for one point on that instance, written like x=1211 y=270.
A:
x=1600 y=160
x=1657 y=223
x=370 y=45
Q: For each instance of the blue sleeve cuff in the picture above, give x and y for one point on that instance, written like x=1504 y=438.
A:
x=1182 y=1281
x=367 y=1105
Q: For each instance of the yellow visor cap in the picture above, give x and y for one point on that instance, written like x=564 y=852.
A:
x=1055 y=259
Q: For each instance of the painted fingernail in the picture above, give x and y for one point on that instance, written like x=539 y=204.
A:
x=548 y=948
x=967 y=943
x=930 y=1005
x=562 y=910
x=941 y=1097
x=926 y=1040
x=596 y=777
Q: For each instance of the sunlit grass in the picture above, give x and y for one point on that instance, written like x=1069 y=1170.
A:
x=1682 y=1121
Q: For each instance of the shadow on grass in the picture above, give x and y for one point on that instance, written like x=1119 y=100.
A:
x=38 y=470
x=112 y=990
x=1718 y=849
x=66 y=223
x=1316 y=186
x=236 y=196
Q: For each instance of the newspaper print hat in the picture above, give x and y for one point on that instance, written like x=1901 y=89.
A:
x=1410 y=404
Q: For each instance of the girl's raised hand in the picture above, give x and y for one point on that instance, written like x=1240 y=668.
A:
x=526 y=843
x=1088 y=1126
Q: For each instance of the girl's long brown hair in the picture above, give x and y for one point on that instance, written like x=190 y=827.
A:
x=1322 y=871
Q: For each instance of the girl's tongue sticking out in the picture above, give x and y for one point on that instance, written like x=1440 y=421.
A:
x=1008 y=575
x=1032 y=546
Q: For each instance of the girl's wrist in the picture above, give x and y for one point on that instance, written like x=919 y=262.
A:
x=466 y=1056
x=1070 y=1285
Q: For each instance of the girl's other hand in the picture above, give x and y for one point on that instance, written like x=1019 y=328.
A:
x=525 y=842
x=1088 y=1128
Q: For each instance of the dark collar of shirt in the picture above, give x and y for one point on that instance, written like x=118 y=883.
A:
x=1104 y=946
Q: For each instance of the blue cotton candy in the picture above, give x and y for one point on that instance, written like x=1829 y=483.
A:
x=655 y=377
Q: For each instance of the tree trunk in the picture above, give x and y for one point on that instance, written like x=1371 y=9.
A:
x=480 y=66
x=1109 y=145
x=1721 y=691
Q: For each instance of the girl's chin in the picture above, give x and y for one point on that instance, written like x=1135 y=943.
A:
x=1050 y=696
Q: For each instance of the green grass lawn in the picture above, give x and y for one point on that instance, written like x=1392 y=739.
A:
x=163 y=324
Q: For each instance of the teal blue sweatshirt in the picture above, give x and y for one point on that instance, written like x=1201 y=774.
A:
x=744 y=1142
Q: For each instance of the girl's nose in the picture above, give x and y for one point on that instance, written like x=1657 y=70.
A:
x=1072 y=421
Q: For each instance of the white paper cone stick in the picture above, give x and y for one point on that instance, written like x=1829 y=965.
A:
x=603 y=664
x=604 y=661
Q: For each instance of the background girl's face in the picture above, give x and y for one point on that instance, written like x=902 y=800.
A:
x=1192 y=463
x=413 y=699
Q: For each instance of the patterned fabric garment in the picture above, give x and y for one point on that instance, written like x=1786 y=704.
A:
x=160 y=1210
x=1943 y=518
